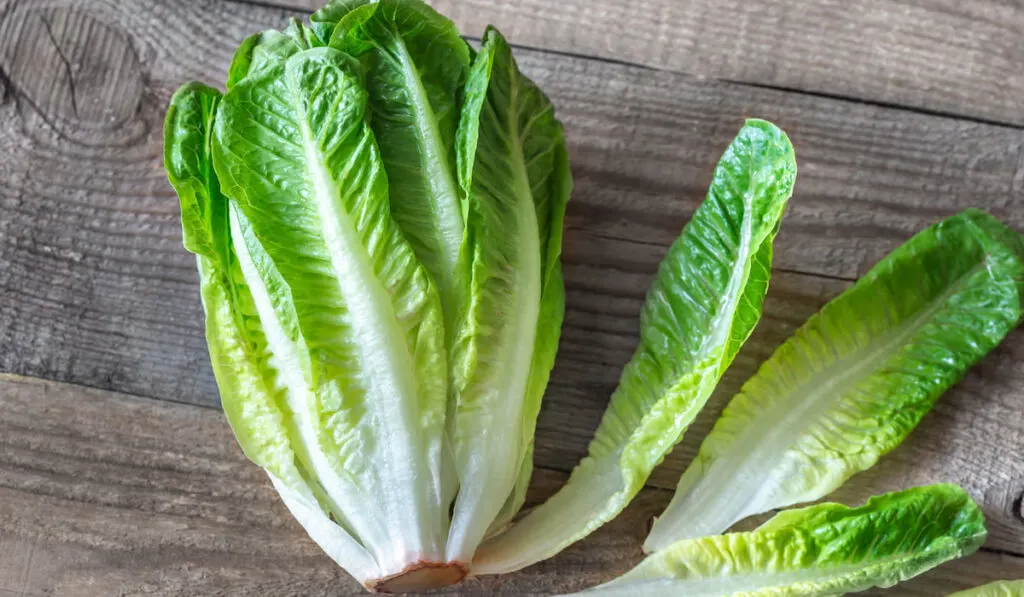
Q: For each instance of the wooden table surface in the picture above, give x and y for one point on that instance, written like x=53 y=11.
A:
x=118 y=474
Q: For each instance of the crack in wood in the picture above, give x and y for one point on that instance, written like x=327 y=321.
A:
x=69 y=71
x=877 y=103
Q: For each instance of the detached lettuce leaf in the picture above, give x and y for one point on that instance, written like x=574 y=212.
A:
x=353 y=321
x=823 y=550
x=514 y=170
x=1003 y=588
x=416 y=65
x=703 y=305
x=856 y=379
x=250 y=384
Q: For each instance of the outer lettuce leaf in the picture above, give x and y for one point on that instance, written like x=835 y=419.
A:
x=513 y=168
x=702 y=306
x=239 y=351
x=353 y=319
x=856 y=379
x=1003 y=588
x=823 y=550
x=416 y=66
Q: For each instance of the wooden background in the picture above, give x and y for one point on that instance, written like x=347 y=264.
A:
x=119 y=476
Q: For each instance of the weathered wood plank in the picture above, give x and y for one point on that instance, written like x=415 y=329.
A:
x=107 y=494
x=941 y=55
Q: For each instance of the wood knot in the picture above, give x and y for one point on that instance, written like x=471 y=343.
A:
x=71 y=68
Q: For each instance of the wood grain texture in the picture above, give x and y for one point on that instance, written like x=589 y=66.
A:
x=107 y=494
x=95 y=287
x=939 y=55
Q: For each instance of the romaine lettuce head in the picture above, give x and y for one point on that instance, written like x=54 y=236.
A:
x=377 y=223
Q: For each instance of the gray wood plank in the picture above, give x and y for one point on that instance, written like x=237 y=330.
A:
x=95 y=288
x=940 y=55
x=107 y=494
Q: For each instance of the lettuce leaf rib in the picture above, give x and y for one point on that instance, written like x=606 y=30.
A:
x=702 y=306
x=856 y=379
x=823 y=550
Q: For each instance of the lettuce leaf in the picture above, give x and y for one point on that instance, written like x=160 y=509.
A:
x=353 y=320
x=702 y=306
x=250 y=382
x=1002 y=588
x=416 y=65
x=822 y=550
x=856 y=379
x=514 y=170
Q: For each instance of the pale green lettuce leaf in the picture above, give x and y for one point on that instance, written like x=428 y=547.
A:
x=416 y=65
x=1002 y=588
x=702 y=306
x=250 y=385
x=856 y=379
x=513 y=167
x=356 y=321
x=820 y=551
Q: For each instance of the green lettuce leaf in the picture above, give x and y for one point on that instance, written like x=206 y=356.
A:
x=326 y=18
x=1003 y=588
x=823 y=550
x=269 y=49
x=856 y=379
x=416 y=65
x=250 y=385
x=513 y=168
x=352 y=319
x=700 y=309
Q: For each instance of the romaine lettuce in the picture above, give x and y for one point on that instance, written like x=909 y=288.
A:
x=362 y=207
